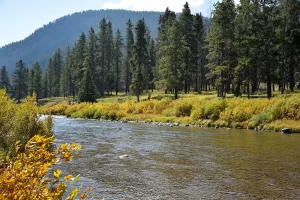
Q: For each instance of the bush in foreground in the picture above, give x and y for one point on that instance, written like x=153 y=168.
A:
x=20 y=122
x=27 y=176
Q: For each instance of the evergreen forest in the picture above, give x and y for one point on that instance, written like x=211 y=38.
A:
x=244 y=49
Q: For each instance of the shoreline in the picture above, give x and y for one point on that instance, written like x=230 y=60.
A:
x=174 y=124
x=255 y=114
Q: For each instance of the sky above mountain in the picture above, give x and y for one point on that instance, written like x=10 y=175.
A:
x=20 y=18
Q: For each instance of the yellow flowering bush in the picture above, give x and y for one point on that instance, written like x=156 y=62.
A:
x=27 y=176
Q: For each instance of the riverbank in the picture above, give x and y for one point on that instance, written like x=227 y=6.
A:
x=259 y=114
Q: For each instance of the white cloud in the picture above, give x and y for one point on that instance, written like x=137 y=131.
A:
x=151 y=5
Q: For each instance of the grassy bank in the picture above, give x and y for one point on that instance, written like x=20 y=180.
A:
x=274 y=114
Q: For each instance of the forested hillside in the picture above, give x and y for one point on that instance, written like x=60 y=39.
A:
x=63 y=32
x=248 y=49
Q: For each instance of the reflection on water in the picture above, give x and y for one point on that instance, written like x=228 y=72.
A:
x=181 y=162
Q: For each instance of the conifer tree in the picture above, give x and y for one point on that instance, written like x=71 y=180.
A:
x=100 y=80
x=57 y=65
x=30 y=77
x=19 y=80
x=128 y=55
x=198 y=53
x=148 y=67
x=78 y=59
x=163 y=41
x=4 y=79
x=63 y=80
x=186 y=27
x=87 y=92
x=118 y=45
x=151 y=65
x=109 y=60
x=45 y=85
x=67 y=82
x=221 y=56
x=50 y=78
x=267 y=41
x=171 y=59
x=289 y=34
x=244 y=43
x=90 y=60
x=37 y=81
x=88 y=87
x=72 y=72
x=139 y=60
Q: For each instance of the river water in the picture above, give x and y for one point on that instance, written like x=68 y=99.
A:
x=181 y=162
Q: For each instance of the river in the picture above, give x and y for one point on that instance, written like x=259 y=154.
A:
x=181 y=162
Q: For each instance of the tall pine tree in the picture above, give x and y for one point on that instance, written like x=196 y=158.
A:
x=4 y=79
x=118 y=45
x=186 y=27
x=19 y=80
x=37 y=81
x=222 y=56
x=139 y=60
x=128 y=55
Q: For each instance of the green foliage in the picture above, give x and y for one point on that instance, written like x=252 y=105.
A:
x=87 y=91
x=285 y=108
x=261 y=118
x=186 y=25
x=169 y=53
x=128 y=55
x=221 y=56
x=209 y=109
x=36 y=81
x=118 y=46
x=4 y=79
x=19 y=81
x=50 y=78
x=183 y=107
x=139 y=63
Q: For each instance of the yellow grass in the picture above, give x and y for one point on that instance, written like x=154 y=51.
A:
x=193 y=108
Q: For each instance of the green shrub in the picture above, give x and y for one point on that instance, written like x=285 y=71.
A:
x=208 y=109
x=260 y=119
x=169 y=112
x=183 y=107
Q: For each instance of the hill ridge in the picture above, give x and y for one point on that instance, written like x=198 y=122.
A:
x=65 y=31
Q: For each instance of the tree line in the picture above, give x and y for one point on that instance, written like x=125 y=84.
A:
x=245 y=45
x=252 y=43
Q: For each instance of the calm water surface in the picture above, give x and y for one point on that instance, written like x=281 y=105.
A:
x=181 y=162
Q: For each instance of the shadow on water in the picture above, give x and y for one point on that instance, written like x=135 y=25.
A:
x=181 y=162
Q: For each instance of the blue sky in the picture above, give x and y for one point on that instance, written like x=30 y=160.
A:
x=20 y=18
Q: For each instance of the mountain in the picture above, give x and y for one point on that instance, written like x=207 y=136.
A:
x=65 y=31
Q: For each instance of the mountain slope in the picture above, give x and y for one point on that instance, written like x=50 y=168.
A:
x=65 y=31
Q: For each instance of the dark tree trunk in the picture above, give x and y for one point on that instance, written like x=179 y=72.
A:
x=269 y=83
x=292 y=73
x=254 y=80
x=248 y=90
x=117 y=80
x=186 y=86
x=196 y=87
x=175 y=92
